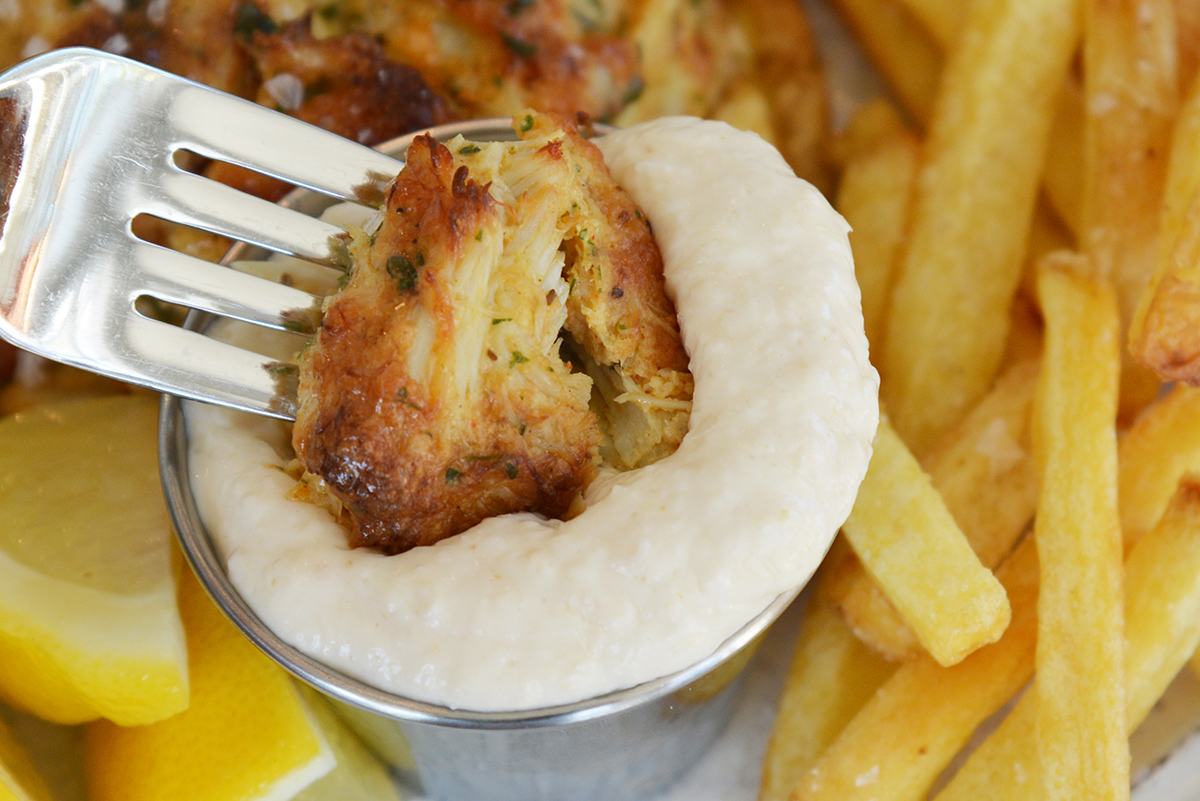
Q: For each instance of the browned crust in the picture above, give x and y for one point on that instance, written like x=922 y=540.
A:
x=418 y=449
x=411 y=466
x=351 y=88
x=1170 y=342
x=197 y=40
x=619 y=310
x=537 y=54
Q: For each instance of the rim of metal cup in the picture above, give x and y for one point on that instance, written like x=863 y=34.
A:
x=201 y=553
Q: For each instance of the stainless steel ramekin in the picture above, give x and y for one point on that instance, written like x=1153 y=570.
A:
x=622 y=746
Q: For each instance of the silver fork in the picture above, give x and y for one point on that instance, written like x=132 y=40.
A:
x=98 y=137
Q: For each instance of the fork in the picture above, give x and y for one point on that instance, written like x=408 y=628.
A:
x=96 y=138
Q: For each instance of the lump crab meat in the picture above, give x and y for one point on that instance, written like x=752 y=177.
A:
x=438 y=391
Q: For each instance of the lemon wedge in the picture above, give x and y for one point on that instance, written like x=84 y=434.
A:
x=19 y=780
x=359 y=773
x=89 y=625
x=249 y=732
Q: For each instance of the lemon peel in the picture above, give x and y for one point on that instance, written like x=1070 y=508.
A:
x=88 y=620
x=250 y=733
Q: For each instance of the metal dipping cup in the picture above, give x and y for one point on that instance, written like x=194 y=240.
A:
x=622 y=746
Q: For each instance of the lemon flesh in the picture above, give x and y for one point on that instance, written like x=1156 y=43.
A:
x=249 y=733
x=89 y=625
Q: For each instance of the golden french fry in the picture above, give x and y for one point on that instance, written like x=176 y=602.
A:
x=831 y=676
x=906 y=735
x=1169 y=341
x=1162 y=613
x=901 y=50
x=789 y=76
x=873 y=619
x=1024 y=334
x=872 y=125
x=836 y=571
x=1131 y=89
x=1187 y=37
x=1046 y=235
x=1163 y=335
x=985 y=470
x=874 y=196
x=1132 y=93
x=1162 y=607
x=1162 y=445
x=985 y=474
x=1063 y=178
x=1081 y=727
x=908 y=542
x=745 y=107
x=942 y=18
x=948 y=321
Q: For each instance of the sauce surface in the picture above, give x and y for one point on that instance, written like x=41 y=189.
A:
x=667 y=561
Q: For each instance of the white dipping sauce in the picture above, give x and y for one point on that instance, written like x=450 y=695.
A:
x=667 y=561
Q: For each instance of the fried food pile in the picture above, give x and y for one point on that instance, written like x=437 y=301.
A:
x=373 y=70
x=439 y=389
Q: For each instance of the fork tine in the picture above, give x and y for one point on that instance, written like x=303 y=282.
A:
x=193 y=200
x=275 y=144
x=173 y=277
x=195 y=366
x=98 y=135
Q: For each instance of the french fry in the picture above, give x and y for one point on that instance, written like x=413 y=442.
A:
x=1081 y=726
x=1162 y=613
x=1025 y=332
x=745 y=107
x=1162 y=445
x=831 y=677
x=942 y=18
x=836 y=571
x=1132 y=94
x=984 y=472
x=1187 y=33
x=906 y=735
x=1046 y=235
x=1164 y=335
x=788 y=72
x=874 y=196
x=873 y=619
x=905 y=55
x=908 y=542
x=948 y=320
x=870 y=126
x=1063 y=177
